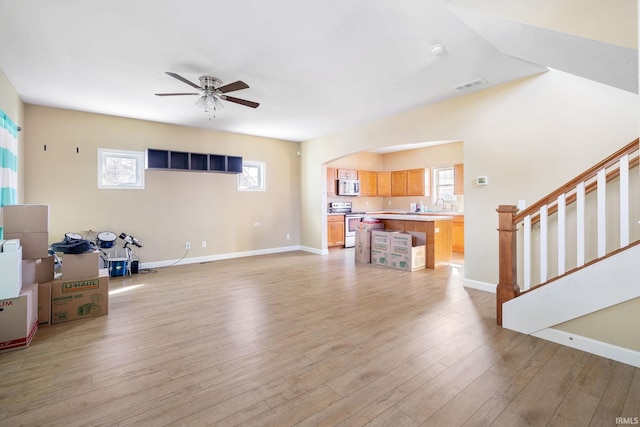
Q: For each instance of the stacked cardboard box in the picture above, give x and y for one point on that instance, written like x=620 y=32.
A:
x=40 y=271
x=363 y=240
x=403 y=250
x=28 y=226
x=34 y=297
x=83 y=289
x=381 y=246
x=19 y=319
x=408 y=251
x=10 y=268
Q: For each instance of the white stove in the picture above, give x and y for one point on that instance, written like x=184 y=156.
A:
x=351 y=220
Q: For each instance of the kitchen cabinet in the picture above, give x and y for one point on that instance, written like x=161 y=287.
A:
x=332 y=176
x=419 y=182
x=458 y=233
x=399 y=183
x=458 y=179
x=384 y=184
x=368 y=183
x=347 y=173
x=335 y=230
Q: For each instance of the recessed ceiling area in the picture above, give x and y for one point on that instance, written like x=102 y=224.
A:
x=314 y=68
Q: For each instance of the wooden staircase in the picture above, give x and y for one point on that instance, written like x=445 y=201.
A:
x=584 y=222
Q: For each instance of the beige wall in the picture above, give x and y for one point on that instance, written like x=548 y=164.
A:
x=13 y=106
x=175 y=207
x=614 y=325
x=527 y=136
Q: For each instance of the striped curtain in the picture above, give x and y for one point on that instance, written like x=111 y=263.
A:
x=8 y=162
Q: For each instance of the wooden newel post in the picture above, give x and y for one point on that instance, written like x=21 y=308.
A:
x=507 y=287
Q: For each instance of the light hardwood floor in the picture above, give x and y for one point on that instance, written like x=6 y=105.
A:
x=309 y=340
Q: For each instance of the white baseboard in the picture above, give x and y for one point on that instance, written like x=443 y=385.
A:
x=314 y=250
x=218 y=257
x=482 y=286
x=610 y=351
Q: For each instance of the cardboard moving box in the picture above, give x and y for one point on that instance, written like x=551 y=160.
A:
x=35 y=245
x=381 y=246
x=79 y=299
x=44 y=303
x=363 y=241
x=10 y=268
x=25 y=219
x=38 y=270
x=408 y=251
x=80 y=266
x=19 y=319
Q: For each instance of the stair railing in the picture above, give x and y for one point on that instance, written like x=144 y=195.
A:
x=534 y=224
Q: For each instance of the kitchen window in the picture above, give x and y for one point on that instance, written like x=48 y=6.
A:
x=443 y=181
x=120 y=169
x=252 y=177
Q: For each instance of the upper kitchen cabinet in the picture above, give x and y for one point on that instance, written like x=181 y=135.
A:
x=347 y=174
x=399 y=183
x=368 y=183
x=418 y=182
x=458 y=179
x=332 y=177
x=384 y=184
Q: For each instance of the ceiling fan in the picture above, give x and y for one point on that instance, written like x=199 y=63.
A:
x=212 y=92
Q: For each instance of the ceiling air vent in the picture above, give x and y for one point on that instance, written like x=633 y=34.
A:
x=472 y=84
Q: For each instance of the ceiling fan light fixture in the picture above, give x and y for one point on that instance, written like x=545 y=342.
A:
x=201 y=101
x=209 y=103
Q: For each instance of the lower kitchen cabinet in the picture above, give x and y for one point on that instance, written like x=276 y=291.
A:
x=335 y=230
x=458 y=233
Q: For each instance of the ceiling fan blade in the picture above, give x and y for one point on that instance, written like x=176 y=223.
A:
x=233 y=86
x=174 y=94
x=182 y=79
x=241 y=101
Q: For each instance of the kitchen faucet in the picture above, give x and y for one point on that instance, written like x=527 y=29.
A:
x=443 y=204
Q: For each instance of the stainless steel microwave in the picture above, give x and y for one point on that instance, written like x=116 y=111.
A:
x=348 y=187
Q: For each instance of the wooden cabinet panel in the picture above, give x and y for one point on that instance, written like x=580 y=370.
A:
x=418 y=182
x=332 y=176
x=368 y=183
x=335 y=230
x=458 y=179
x=384 y=184
x=458 y=233
x=399 y=183
x=347 y=173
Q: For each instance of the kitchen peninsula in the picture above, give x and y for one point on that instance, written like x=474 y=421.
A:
x=437 y=229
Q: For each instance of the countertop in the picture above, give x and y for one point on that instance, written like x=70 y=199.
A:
x=410 y=216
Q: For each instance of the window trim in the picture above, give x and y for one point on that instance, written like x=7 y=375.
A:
x=436 y=185
x=140 y=168
x=262 y=166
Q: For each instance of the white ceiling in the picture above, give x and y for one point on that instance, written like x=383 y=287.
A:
x=314 y=67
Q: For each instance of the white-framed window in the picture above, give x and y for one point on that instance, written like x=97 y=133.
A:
x=120 y=169
x=443 y=180
x=252 y=177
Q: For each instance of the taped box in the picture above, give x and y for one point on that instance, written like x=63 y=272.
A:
x=19 y=319
x=79 y=299
x=408 y=251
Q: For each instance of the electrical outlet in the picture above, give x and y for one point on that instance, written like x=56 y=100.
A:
x=288 y=236
x=187 y=246
x=204 y=243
